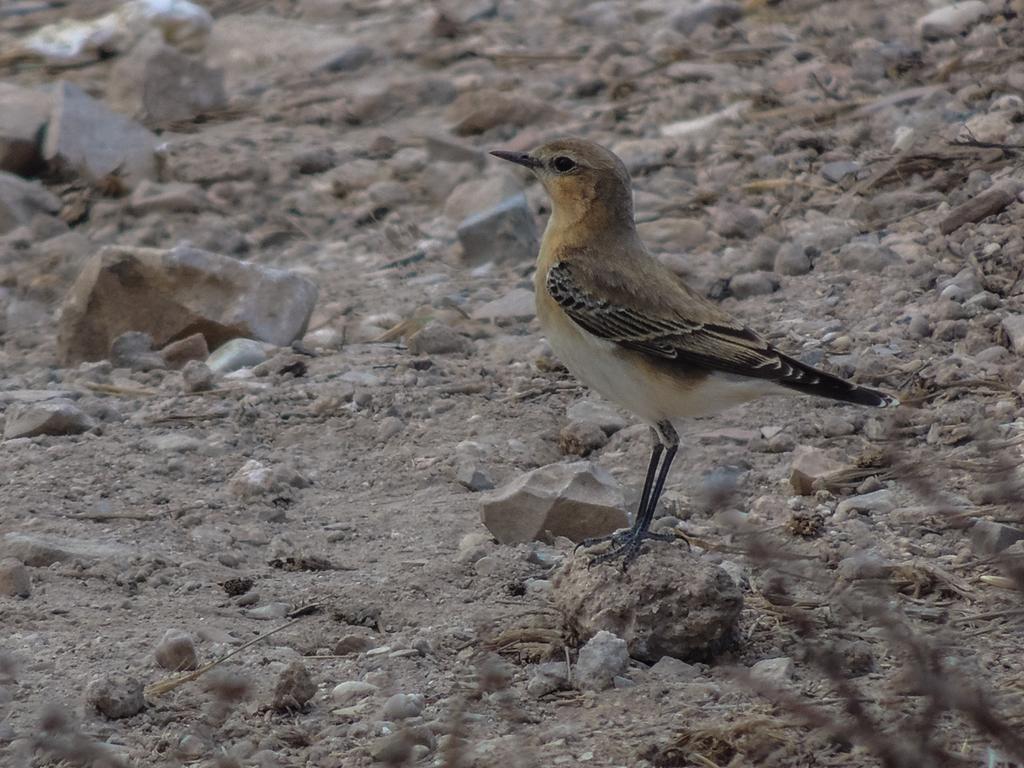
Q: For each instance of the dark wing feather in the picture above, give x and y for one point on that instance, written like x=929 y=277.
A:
x=716 y=343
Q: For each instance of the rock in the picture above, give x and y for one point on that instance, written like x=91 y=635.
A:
x=86 y=138
x=736 y=221
x=773 y=672
x=1013 y=327
x=438 y=339
x=505 y=233
x=21 y=200
x=176 y=651
x=517 y=304
x=480 y=194
x=717 y=13
x=753 y=284
x=810 y=464
x=349 y=59
x=444 y=149
x=235 y=355
x=14 y=578
x=115 y=696
x=989 y=537
x=402 y=706
x=191 y=349
x=642 y=156
x=174 y=197
x=22 y=121
x=472 y=476
x=156 y=292
x=692 y=618
x=601 y=660
x=598 y=412
x=864 y=565
x=134 y=350
x=577 y=500
x=480 y=110
x=669 y=668
x=55 y=417
x=952 y=20
x=547 y=678
x=257 y=479
x=39 y=551
x=865 y=256
x=792 y=259
x=294 y=688
x=157 y=83
x=348 y=693
x=878 y=502
x=581 y=438
x=838 y=170
x=349 y=644
x=197 y=376
x=676 y=233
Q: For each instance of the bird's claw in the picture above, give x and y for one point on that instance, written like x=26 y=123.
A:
x=625 y=544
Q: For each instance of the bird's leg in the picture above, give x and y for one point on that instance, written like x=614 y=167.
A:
x=619 y=537
x=629 y=548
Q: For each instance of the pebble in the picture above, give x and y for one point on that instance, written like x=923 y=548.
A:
x=269 y=611
x=470 y=475
x=951 y=20
x=879 y=502
x=176 y=651
x=402 y=706
x=197 y=376
x=115 y=696
x=671 y=668
x=55 y=417
x=505 y=233
x=604 y=657
x=294 y=688
x=749 y=284
x=517 y=304
x=989 y=537
x=773 y=671
x=474 y=546
x=352 y=691
x=178 y=354
x=547 y=678
x=436 y=338
x=1013 y=327
x=134 y=350
x=736 y=221
x=792 y=259
x=14 y=578
x=235 y=355
x=865 y=256
x=598 y=412
x=581 y=438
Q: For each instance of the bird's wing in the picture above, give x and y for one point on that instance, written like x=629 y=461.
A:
x=670 y=323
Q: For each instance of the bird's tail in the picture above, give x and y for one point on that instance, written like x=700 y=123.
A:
x=811 y=381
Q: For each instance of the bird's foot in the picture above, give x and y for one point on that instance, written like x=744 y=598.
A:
x=624 y=544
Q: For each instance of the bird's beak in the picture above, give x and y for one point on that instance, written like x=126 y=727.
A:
x=519 y=158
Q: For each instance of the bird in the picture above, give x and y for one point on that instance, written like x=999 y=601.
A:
x=632 y=330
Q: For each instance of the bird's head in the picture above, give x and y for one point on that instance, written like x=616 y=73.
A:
x=585 y=181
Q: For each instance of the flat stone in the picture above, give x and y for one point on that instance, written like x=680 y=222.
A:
x=517 y=304
x=21 y=200
x=53 y=417
x=40 y=551
x=22 y=121
x=671 y=668
x=692 y=618
x=36 y=395
x=505 y=233
x=86 y=138
x=773 y=671
x=158 y=292
x=952 y=20
x=577 y=500
x=157 y=83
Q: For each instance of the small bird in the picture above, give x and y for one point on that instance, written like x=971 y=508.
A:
x=628 y=327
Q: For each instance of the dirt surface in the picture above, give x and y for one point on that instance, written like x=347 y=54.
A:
x=811 y=205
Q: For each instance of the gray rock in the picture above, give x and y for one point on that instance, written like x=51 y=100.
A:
x=115 y=696
x=517 y=304
x=173 y=197
x=86 y=138
x=22 y=121
x=773 y=671
x=197 y=376
x=864 y=565
x=402 y=706
x=670 y=668
x=952 y=20
x=176 y=651
x=581 y=438
x=753 y=284
x=472 y=476
x=235 y=355
x=598 y=412
x=736 y=221
x=180 y=353
x=158 y=292
x=989 y=537
x=865 y=256
x=438 y=339
x=604 y=657
x=577 y=500
x=444 y=149
x=692 y=618
x=879 y=502
x=349 y=692
x=481 y=193
x=838 y=170
x=14 y=578
x=21 y=200
x=1013 y=327
x=55 y=417
x=134 y=350
x=294 y=688
x=349 y=60
x=505 y=233
x=792 y=259
x=714 y=12
x=39 y=551
x=547 y=678
x=157 y=83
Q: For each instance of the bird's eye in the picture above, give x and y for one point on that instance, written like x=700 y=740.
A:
x=563 y=164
